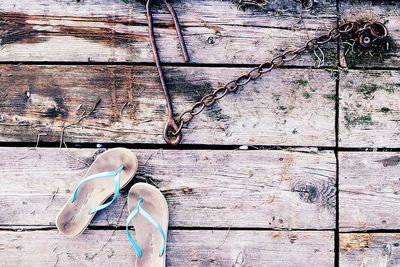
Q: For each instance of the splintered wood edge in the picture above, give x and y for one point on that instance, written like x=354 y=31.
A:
x=369 y=249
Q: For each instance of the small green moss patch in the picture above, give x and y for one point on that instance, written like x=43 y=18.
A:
x=351 y=120
x=252 y=4
x=301 y=82
x=369 y=89
x=306 y=95
x=330 y=97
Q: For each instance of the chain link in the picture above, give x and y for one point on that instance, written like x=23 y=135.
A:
x=375 y=30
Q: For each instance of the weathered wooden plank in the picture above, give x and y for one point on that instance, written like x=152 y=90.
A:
x=369 y=250
x=369 y=190
x=184 y=248
x=369 y=114
x=386 y=11
x=293 y=107
x=215 y=31
x=263 y=189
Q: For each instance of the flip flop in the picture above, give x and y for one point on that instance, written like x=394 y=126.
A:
x=149 y=216
x=97 y=186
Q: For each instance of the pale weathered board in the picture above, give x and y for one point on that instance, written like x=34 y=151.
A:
x=369 y=190
x=293 y=107
x=388 y=12
x=110 y=30
x=370 y=250
x=263 y=188
x=184 y=248
x=369 y=109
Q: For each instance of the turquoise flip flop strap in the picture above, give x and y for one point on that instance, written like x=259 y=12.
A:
x=148 y=217
x=117 y=175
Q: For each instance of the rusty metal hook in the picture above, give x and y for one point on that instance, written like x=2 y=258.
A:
x=170 y=134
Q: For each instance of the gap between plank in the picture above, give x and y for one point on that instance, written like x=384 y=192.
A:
x=337 y=123
x=199 y=147
x=179 y=64
x=32 y=228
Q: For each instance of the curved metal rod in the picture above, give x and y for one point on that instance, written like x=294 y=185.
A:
x=171 y=124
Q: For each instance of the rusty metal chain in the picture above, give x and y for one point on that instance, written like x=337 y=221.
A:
x=365 y=34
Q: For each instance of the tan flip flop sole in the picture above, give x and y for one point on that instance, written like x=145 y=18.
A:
x=74 y=217
x=146 y=235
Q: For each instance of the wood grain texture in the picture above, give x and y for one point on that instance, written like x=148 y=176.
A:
x=369 y=190
x=388 y=12
x=263 y=189
x=369 y=112
x=184 y=248
x=103 y=30
x=293 y=107
x=369 y=250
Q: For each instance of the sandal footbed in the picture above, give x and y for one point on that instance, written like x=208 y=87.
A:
x=73 y=218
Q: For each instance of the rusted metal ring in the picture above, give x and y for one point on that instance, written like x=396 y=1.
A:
x=312 y=44
x=280 y=62
x=378 y=30
x=255 y=70
x=198 y=105
x=231 y=86
x=323 y=39
x=217 y=93
x=208 y=100
x=347 y=27
x=266 y=67
x=179 y=128
x=183 y=119
x=334 y=33
x=301 y=50
x=293 y=53
x=245 y=80
x=172 y=133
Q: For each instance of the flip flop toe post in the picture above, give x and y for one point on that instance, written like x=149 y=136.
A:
x=110 y=172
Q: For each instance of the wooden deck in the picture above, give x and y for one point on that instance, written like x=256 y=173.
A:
x=300 y=168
